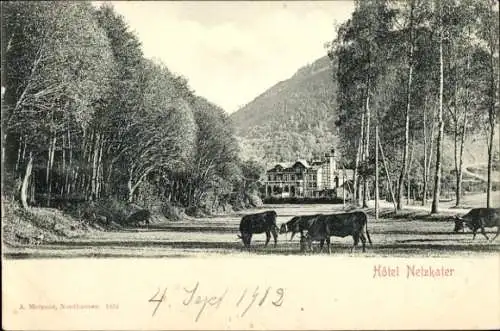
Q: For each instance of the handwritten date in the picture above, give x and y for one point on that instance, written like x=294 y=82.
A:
x=195 y=296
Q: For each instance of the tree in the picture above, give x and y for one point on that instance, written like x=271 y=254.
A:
x=439 y=143
x=411 y=46
x=361 y=49
x=164 y=129
x=56 y=62
x=121 y=105
x=461 y=104
x=489 y=33
x=216 y=150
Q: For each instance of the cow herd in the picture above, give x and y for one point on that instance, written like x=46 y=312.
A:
x=320 y=227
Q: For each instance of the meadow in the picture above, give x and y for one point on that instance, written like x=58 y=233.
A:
x=411 y=232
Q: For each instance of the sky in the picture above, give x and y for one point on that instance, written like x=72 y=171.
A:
x=232 y=51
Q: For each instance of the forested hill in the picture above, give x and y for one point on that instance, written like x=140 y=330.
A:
x=294 y=118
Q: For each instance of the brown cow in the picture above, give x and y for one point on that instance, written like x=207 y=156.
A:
x=298 y=224
x=340 y=225
x=259 y=223
x=479 y=218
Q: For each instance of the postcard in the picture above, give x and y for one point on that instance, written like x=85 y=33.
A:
x=246 y=165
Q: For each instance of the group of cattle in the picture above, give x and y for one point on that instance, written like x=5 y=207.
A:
x=321 y=227
x=318 y=227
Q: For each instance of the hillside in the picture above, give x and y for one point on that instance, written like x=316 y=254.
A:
x=293 y=118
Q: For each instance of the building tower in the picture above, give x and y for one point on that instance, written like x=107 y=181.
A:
x=332 y=167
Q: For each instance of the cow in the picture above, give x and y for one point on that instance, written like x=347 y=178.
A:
x=259 y=223
x=139 y=216
x=340 y=225
x=298 y=224
x=479 y=218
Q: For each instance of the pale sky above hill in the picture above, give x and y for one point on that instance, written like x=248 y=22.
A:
x=233 y=51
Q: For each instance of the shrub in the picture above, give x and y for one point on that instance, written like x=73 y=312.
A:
x=172 y=212
x=254 y=200
x=273 y=200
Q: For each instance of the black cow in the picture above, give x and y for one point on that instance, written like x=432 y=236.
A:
x=340 y=225
x=479 y=218
x=139 y=216
x=259 y=223
x=298 y=224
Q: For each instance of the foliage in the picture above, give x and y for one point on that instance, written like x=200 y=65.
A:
x=88 y=118
x=294 y=118
x=374 y=50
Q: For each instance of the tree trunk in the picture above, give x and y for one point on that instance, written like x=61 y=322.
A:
x=95 y=157
x=24 y=186
x=460 y=169
x=492 y=98
x=459 y=192
x=430 y=153
x=367 y=145
x=47 y=170
x=407 y=114
x=131 y=189
x=108 y=178
x=490 y=163
x=355 y=178
x=439 y=142
x=356 y=182
x=459 y=151
x=410 y=160
x=133 y=186
x=32 y=188
x=99 y=169
x=424 y=190
x=376 y=168
x=67 y=183
x=63 y=173
x=389 y=180
x=79 y=171
x=19 y=150
x=50 y=162
x=344 y=186
x=4 y=140
x=87 y=175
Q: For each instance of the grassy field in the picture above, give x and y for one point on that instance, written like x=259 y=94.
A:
x=412 y=232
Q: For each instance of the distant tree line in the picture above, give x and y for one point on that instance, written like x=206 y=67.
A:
x=86 y=116
x=411 y=73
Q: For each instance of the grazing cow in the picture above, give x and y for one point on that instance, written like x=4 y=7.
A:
x=298 y=224
x=139 y=216
x=479 y=218
x=259 y=223
x=340 y=225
